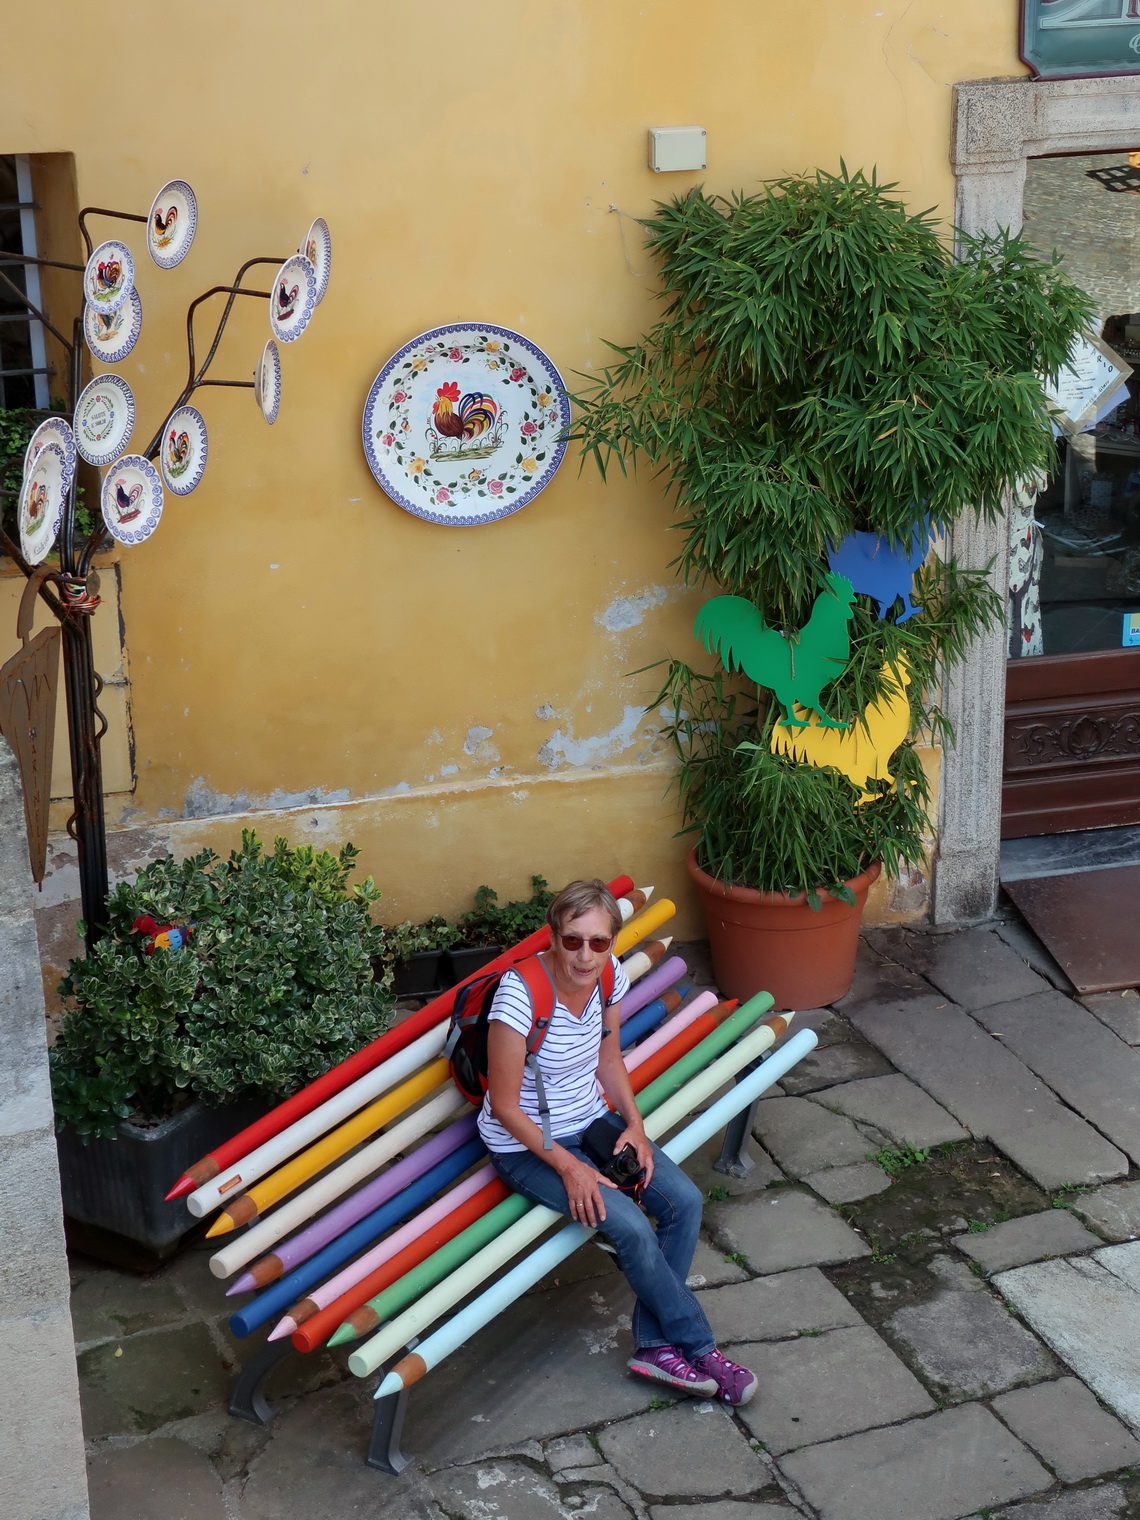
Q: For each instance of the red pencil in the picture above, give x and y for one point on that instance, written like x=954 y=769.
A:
x=354 y=1066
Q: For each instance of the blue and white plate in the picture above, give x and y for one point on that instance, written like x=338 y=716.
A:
x=172 y=222
x=131 y=499
x=110 y=276
x=317 y=248
x=183 y=452
x=112 y=334
x=267 y=382
x=293 y=299
x=42 y=496
x=55 y=430
x=466 y=424
x=104 y=419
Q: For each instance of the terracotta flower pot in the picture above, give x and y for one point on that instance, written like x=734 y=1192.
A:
x=774 y=942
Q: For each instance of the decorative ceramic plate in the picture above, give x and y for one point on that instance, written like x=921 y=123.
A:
x=171 y=224
x=294 y=298
x=112 y=334
x=41 y=502
x=267 y=381
x=466 y=424
x=183 y=452
x=55 y=430
x=109 y=277
x=131 y=499
x=317 y=248
x=104 y=419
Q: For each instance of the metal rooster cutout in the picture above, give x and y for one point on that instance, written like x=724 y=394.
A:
x=881 y=570
x=28 y=684
x=862 y=753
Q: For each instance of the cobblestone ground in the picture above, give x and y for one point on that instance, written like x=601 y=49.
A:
x=933 y=1268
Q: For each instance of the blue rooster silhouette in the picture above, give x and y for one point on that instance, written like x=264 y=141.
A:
x=881 y=570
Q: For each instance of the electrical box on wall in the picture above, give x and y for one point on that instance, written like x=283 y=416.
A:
x=677 y=148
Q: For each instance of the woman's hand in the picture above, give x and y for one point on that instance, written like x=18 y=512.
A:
x=634 y=1134
x=583 y=1189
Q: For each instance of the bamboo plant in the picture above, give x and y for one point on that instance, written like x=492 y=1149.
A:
x=826 y=363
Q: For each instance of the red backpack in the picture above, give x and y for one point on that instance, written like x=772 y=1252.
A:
x=466 y=1047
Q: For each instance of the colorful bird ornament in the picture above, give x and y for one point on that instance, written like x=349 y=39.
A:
x=882 y=570
x=862 y=753
x=168 y=937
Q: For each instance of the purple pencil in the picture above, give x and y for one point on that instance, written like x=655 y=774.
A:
x=288 y=1253
x=659 y=980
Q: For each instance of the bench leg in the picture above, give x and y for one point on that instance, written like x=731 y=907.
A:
x=248 y=1401
x=387 y=1428
x=734 y=1159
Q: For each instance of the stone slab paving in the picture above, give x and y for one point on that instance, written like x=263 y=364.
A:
x=689 y=1450
x=1091 y=1318
x=1066 y=1427
x=936 y=1468
x=782 y=1230
x=571 y=1451
x=710 y=1269
x=969 y=1345
x=150 y=1380
x=847 y=1184
x=1020 y=938
x=1122 y=1261
x=1112 y=1211
x=895 y=1107
x=511 y=1491
x=803 y=1137
x=974 y=968
x=820 y=1387
x=1089 y=1066
x=835 y=1063
x=987 y=1089
x=1105 y=1502
x=160 y=1477
x=724 y=1509
x=1033 y=1237
x=772 y=1308
x=1120 y=1011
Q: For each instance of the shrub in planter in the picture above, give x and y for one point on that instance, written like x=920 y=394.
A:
x=411 y=958
x=274 y=986
x=490 y=927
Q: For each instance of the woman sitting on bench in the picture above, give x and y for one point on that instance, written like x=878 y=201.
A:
x=578 y=1059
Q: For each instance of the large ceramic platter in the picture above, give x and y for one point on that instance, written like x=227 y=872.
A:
x=131 y=499
x=267 y=382
x=55 y=430
x=183 y=453
x=317 y=248
x=466 y=424
x=171 y=224
x=104 y=419
x=112 y=334
x=294 y=298
x=41 y=503
x=109 y=277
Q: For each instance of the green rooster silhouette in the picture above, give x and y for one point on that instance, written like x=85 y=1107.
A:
x=795 y=667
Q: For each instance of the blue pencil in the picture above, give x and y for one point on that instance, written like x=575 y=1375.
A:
x=650 y=1016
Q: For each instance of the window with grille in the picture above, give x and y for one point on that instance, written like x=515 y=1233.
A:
x=24 y=368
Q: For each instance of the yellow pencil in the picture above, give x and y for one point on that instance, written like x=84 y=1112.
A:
x=643 y=925
x=319 y=1155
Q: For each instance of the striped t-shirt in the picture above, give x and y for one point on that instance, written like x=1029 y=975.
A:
x=567 y=1058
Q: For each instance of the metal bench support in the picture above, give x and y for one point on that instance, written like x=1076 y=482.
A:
x=384 y=1451
x=735 y=1159
x=248 y=1401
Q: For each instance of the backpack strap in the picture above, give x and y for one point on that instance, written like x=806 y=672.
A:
x=539 y=984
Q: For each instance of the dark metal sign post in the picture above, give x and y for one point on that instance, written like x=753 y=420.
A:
x=1080 y=39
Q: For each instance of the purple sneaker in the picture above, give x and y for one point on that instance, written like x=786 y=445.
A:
x=665 y=1364
x=735 y=1384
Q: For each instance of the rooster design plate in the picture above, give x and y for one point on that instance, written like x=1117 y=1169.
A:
x=183 y=452
x=41 y=502
x=104 y=419
x=466 y=424
x=267 y=382
x=109 y=277
x=131 y=499
x=172 y=222
x=55 y=430
x=112 y=334
x=293 y=299
x=317 y=248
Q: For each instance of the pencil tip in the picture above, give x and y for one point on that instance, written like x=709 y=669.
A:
x=221 y=1226
x=281 y=1330
x=393 y=1383
x=244 y=1283
x=184 y=1185
x=342 y=1335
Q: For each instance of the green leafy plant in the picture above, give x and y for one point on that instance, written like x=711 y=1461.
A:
x=894 y=1159
x=717 y=1193
x=490 y=923
x=399 y=942
x=825 y=365
x=976 y=1227
x=274 y=986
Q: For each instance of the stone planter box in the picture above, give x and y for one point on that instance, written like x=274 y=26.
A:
x=420 y=975
x=458 y=965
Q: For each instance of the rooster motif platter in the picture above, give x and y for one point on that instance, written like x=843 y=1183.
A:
x=131 y=499
x=267 y=382
x=182 y=455
x=466 y=424
x=109 y=276
x=104 y=419
x=112 y=334
x=41 y=502
x=171 y=224
x=55 y=430
x=293 y=298
x=317 y=248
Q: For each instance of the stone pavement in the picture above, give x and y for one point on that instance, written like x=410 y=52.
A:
x=934 y=1269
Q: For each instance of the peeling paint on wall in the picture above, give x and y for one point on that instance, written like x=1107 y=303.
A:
x=628 y=611
x=202 y=801
x=564 y=749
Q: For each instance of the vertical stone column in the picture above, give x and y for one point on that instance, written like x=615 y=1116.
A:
x=42 y=1475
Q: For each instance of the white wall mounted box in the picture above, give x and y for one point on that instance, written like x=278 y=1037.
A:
x=677 y=148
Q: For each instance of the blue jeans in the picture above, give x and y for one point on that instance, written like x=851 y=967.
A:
x=655 y=1264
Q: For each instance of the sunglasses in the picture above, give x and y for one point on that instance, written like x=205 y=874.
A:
x=597 y=942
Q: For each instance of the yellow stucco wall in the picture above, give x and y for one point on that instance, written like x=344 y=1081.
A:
x=460 y=695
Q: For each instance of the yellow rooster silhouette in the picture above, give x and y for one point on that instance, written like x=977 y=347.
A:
x=861 y=752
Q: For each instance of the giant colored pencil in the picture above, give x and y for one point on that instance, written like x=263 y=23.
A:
x=365 y=1359
x=651 y=1015
x=653 y=1089
x=302 y=1168
x=641 y=927
x=339 y=1289
x=312 y=1126
x=354 y=1066
x=369 y=1158
x=705 y=1002
x=630 y=903
x=430 y=1352
x=276 y=1298
x=652 y=985
x=644 y=960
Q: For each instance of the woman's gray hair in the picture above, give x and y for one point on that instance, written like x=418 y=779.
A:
x=578 y=898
